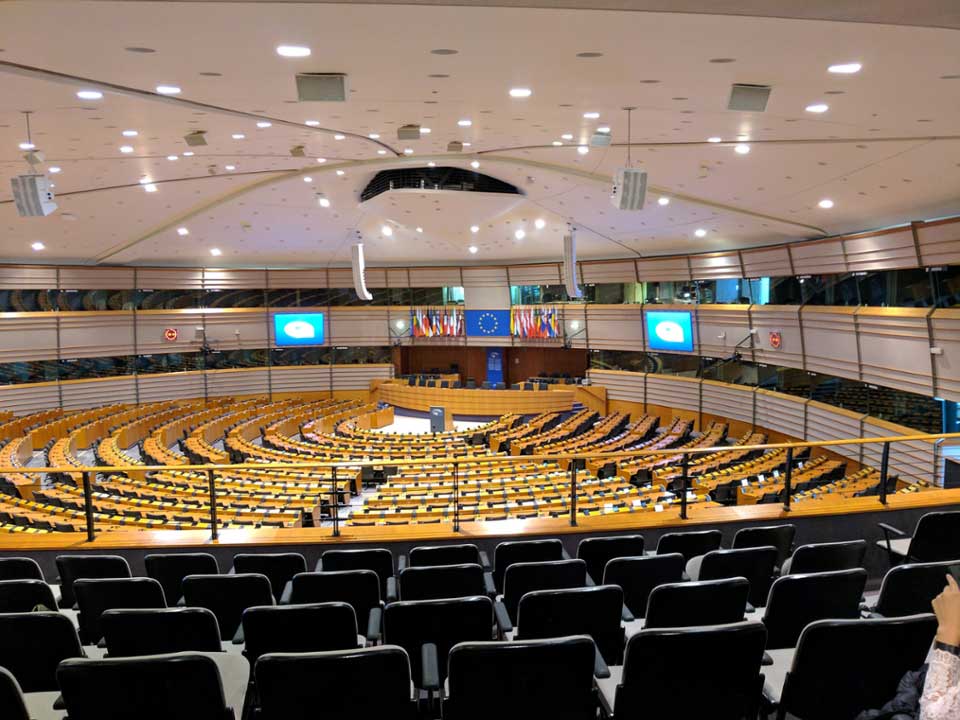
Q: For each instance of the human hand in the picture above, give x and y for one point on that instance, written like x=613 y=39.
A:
x=946 y=606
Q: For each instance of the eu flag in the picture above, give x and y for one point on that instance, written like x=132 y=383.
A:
x=490 y=323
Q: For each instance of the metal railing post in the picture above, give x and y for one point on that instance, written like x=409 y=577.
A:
x=684 y=483
x=573 y=492
x=335 y=504
x=212 y=486
x=787 y=480
x=456 y=497
x=88 y=505
x=884 y=471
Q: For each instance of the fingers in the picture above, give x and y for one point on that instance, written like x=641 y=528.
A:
x=952 y=584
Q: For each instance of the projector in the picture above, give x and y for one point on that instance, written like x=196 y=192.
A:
x=629 y=189
x=32 y=195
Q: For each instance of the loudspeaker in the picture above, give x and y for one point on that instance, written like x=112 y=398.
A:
x=32 y=195
x=359 y=279
x=570 y=265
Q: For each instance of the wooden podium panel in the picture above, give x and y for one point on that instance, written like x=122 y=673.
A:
x=461 y=401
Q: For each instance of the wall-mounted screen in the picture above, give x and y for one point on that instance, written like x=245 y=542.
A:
x=669 y=330
x=298 y=328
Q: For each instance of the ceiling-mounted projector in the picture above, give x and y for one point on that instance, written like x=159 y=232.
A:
x=32 y=195
x=629 y=189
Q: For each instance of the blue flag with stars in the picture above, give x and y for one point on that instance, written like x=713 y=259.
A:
x=489 y=323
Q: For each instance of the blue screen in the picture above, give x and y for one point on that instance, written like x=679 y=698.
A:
x=298 y=328
x=669 y=330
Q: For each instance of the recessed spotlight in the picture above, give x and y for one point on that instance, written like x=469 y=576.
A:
x=182 y=231
x=150 y=188
x=54 y=169
x=425 y=131
x=173 y=157
x=520 y=92
x=321 y=160
x=431 y=164
x=264 y=124
x=126 y=149
x=374 y=136
x=323 y=201
x=520 y=234
x=408 y=151
x=381 y=152
x=817 y=108
x=474 y=229
x=312 y=123
x=845 y=68
x=583 y=149
x=539 y=223
x=38 y=246
x=338 y=136
x=714 y=139
x=129 y=133
x=386 y=230
x=467 y=144
x=145 y=180
x=464 y=123
x=238 y=136
x=168 y=89
x=700 y=232
x=229 y=167
x=188 y=153
x=603 y=129
x=419 y=229
x=826 y=203
x=89 y=94
x=591 y=115
x=567 y=136
x=473 y=249
x=308 y=179
x=293 y=51
x=475 y=164
x=215 y=252
x=27 y=146
x=341 y=173
x=663 y=201
x=557 y=143
x=741 y=149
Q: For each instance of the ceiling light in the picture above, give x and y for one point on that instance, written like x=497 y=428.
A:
x=312 y=123
x=473 y=249
x=338 y=136
x=431 y=164
x=466 y=144
x=145 y=180
x=27 y=146
x=474 y=229
x=845 y=68
x=129 y=133
x=591 y=115
x=425 y=131
x=464 y=123
x=475 y=164
x=743 y=138
x=168 y=89
x=567 y=136
x=215 y=252
x=420 y=229
x=341 y=173
x=520 y=234
x=603 y=129
x=188 y=153
x=264 y=124
x=321 y=160
x=374 y=136
x=238 y=136
x=323 y=201
x=557 y=143
x=126 y=149
x=540 y=223
x=150 y=188
x=38 y=246
x=182 y=232
x=817 y=108
x=308 y=179
x=663 y=201
x=54 y=169
x=583 y=149
x=173 y=157
x=386 y=230
x=381 y=152
x=700 y=232
x=293 y=51
x=714 y=139
x=229 y=167
x=742 y=149
x=520 y=92
x=826 y=203
x=408 y=151
x=89 y=94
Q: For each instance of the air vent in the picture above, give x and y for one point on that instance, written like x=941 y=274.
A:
x=321 y=87
x=408 y=132
x=749 y=98
x=196 y=139
x=454 y=146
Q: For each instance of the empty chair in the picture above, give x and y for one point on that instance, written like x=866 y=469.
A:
x=333 y=685
x=227 y=596
x=169 y=569
x=441 y=581
x=936 y=538
x=358 y=588
x=909 y=589
x=522 y=578
x=638 y=576
x=706 y=602
x=649 y=686
x=74 y=567
x=463 y=554
x=25 y=596
x=795 y=601
x=598 y=551
x=279 y=568
x=33 y=644
x=94 y=596
x=755 y=564
x=825 y=557
x=842 y=667
x=155 y=632
x=298 y=628
x=532 y=678
x=442 y=624
x=12 y=706
x=779 y=536
x=18 y=568
x=378 y=559
x=184 y=686
x=517 y=551
x=689 y=544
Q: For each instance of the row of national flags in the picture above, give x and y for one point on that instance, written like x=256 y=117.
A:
x=541 y=322
x=428 y=322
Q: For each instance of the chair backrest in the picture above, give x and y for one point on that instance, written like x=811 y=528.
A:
x=19 y=568
x=12 y=706
x=842 y=667
x=525 y=577
x=444 y=555
x=531 y=678
x=298 y=628
x=154 y=632
x=755 y=564
x=185 y=686
x=638 y=576
x=593 y=611
x=227 y=596
x=707 y=602
x=380 y=560
x=909 y=589
x=826 y=557
x=441 y=581
x=33 y=644
x=517 y=551
x=358 y=588
x=795 y=601
x=278 y=567
x=75 y=567
x=25 y=596
x=598 y=551
x=333 y=685
x=779 y=536
x=411 y=624
x=689 y=544
x=650 y=685
x=937 y=537
x=169 y=569
x=94 y=596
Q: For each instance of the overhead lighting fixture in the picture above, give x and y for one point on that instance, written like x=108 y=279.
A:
x=408 y=151
x=742 y=138
x=520 y=234
x=381 y=152
x=464 y=123
x=419 y=229
x=149 y=187
x=54 y=169
x=338 y=136
x=188 y=153
x=341 y=173
x=216 y=252
x=714 y=139
x=129 y=133
x=567 y=136
x=591 y=115
x=700 y=232
x=145 y=180
x=38 y=246
x=467 y=144
x=583 y=149
x=312 y=123
x=126 y=149
x=321 y=160
x=845 y=68
x=742 y=149
x=663 y=201
x=386 y=230
x=557 y=143
x=264 y=124
x=308 y=179
x=229 y=167
x=168 y=89
x=817 y=108
x=431 y=164
x=89 y=94
x=239 y=136
x=520 y=92
x=474 y=229
x=826 y=203
x=27 y=146
x=293 y=51
x=374 y=136
x=540 y=223
x=475 y=164
x=603 y=129
x=173 y=157
x=182 y=231
x=425 y=131
x=323 y=201
x=473 y=249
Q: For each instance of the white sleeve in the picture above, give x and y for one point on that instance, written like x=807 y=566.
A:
x=941 y=690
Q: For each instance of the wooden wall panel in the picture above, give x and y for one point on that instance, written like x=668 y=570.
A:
x=819 y=257
x=170 y=278
x=912 y=461
x=784 y=319
x=673 y=391
x=528 y=362
x=830 y=341
x=435 y=277
x=575 y=325
x=825 y=422
x=237 y=382
x=546 y=274
x=939 y=242
x=484 y=277
x=93 y=334
x=728 y=401
x=237 y=329
x=715 y=266
x=945 y=325
x=720 y=328
x=29 y=398
x=895 y=348
x=96 y=278
x=782 y=413
x=663 y=268
x=79 y=394
x=27 y=277
x=28 y=336
x=620 y=385
x=152 y=323
x=615 y=327
x=297 y=278
x=766 y=262
x=620 y=271
x=884 y=249
x=359 y=377
x=170 y=386
x=305 y=379
x=358 y=326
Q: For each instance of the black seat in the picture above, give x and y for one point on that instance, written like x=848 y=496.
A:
x=462 y=554
x=523 y=551
x=33 y=644
x=298 y=628
x=442 y=624
x=155 y=632
x=936 y=538
x=525 y=577
x=689 y=544
x=909 y=589
x=74 y=567
x=649 y=685
x=227 y=596
x=706 y=602
x=755 y=564
x=169 y=569
x=278 y=567
x=186 y=687
x=12 y=706
x=598 y=551
x=358 y=588
x=332 y=685
x=95 y=596
x=19 y=568
x=25 y=596
x=842 y=667
x=637 y=577
x=779 y=536
x=377 y=559
x=442 y=581
x=532 y=679
x=795 y=601
x=826 y=557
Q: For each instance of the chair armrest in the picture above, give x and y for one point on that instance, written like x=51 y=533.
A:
x=502 y=617
x=484 y=560
x=238 y=637
x=626 y=615
x=430 y=667
x=391 y=589
x=401 y=563
x=600 y=669
x=287 y=593
x=373 y=625
x=767 y=660
x=488 y=584
x=102 y=643
x=891 y=529
x=59 y=704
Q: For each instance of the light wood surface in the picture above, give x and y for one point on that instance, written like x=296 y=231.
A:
x=461 y=401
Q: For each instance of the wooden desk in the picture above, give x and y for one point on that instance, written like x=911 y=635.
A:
x=460 y=401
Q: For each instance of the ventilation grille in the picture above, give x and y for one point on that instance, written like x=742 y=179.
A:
x=321 y=87
x=439 y=178
x=749 y=98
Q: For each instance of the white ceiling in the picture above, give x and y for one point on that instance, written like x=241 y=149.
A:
x=873 y=152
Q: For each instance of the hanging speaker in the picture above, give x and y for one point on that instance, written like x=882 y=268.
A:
x=359 y=279
x=570 y=264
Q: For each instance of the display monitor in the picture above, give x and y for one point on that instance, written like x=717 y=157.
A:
x=670 y=330
x=298 y=329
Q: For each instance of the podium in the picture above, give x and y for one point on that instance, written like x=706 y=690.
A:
x=440 y=419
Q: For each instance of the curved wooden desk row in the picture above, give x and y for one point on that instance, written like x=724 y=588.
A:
x=460 y=401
